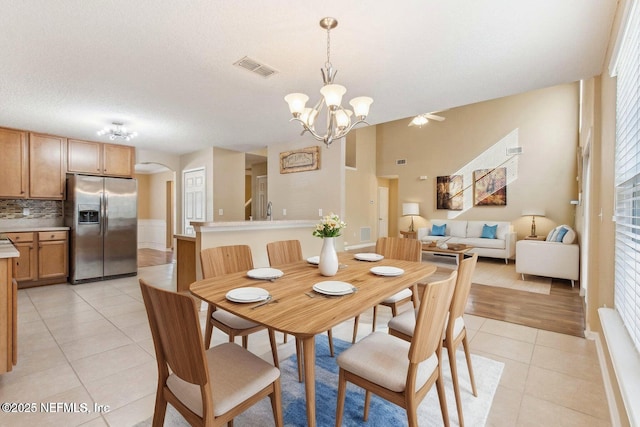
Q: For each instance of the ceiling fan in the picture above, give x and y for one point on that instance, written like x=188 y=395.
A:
x=422 y=119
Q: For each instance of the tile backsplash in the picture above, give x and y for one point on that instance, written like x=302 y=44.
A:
x=38 y=209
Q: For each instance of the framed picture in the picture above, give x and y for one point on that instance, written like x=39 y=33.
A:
x=449 y=192
x=306 y=159
x=490 y=187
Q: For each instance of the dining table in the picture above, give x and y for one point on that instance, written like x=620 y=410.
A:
x=295 y=308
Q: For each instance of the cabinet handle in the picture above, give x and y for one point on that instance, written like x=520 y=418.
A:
x=52 y=236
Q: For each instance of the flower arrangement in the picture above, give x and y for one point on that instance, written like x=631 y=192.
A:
x=329 y=226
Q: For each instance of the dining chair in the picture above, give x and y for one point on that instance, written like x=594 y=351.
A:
x=402 y=326
x=399 y=371
x=222 y=260
x=208 y=387
x=395 y=248
x=285 y=252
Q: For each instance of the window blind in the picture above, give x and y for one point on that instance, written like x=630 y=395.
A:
x=627 y=179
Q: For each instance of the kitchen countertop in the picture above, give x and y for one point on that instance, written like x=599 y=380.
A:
x=27 y=229
x=7 y=250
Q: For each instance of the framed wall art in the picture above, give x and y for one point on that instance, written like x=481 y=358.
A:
x=305 y=159
x=490 y=187
x=449 y=192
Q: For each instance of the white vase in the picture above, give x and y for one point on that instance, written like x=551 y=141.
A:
x=328 y=265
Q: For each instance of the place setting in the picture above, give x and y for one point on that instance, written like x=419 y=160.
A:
x=331 y=289
x=250 y=295
x=389 y=271
x=368 y=256
x=265 y=273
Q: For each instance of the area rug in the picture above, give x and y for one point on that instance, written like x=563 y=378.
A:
x=381 y=413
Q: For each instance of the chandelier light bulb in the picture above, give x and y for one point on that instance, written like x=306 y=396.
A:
x=119 y=132
x=361 y=105
x=333 y=95
x=296 y=103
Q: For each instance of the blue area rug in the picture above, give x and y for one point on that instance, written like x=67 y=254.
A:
x=381 y=413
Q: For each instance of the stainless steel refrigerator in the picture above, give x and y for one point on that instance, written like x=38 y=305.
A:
x=102 y=214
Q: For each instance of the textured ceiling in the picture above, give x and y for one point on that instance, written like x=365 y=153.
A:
x=165 y=68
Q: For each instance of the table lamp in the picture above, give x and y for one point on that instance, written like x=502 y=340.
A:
x=410 y=209
x=533 y=213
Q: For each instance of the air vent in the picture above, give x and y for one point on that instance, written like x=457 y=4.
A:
x=401 y=162
x=365 y=234
x=514 y=151
x=255 y=67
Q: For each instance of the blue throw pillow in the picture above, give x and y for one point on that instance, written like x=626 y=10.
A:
x=560 y=235
x=489 y=231
x=438 y=230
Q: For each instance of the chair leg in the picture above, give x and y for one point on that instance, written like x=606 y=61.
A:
x=160 y=409
x=465 y=345
x=274 y=348
x=245 y=341
x=276 y=403
x=412 y=410
x=342 y=388
x=208 y=331
x=330 y=337
x=284 y=339
x=375 y=315
x=355 y=329
x=454 y=378
x=367 y=401
x=299 y=359
x=442 y=398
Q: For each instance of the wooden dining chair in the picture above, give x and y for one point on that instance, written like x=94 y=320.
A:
x=285 y=252
x=208 y=387
x=222 y=260
x=403 y=326
x=395 y=248
x=378 y=363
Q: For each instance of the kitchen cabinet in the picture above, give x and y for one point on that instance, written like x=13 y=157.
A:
x=47 y=166
x=96 y=158
x=24 y=267
x=14 y=166
x=53 y=252
x=44 y=257
x=8 y=317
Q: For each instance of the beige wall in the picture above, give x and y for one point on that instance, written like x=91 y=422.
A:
x=228 y=185
x=361 y=197
x=543 y=122
x=157 y=201
x=303 y=193
x=143 y=196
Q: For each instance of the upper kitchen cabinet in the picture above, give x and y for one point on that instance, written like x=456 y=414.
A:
x=96 y=158
x=14 y=164
x=47 y=166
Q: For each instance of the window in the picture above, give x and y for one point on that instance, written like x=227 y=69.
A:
x=627 y=179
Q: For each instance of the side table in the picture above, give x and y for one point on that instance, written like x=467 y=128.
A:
x=409 y=234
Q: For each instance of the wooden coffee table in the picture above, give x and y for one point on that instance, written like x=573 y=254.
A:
x=455 y=249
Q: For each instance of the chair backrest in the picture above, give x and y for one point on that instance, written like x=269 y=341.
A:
x=463 y=287
x=225 y=260
x=284 y=252
x=399 y=248
x=432 y=313
x=175 y=329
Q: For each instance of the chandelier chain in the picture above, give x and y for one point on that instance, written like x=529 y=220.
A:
x=328 y=63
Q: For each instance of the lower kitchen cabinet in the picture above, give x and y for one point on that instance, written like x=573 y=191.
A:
x=44 y=257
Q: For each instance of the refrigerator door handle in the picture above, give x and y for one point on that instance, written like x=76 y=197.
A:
x=106 y=212
x=101 y=222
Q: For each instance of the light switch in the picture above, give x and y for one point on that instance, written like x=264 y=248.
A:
x=220 y=212
x=319 y=212
x=284 y=212
x=26 y=211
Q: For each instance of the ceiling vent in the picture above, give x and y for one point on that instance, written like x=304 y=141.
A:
x=255 y=67
x=401 y=162
x=514 y=151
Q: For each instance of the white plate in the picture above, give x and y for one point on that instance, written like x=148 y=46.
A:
x=368 y=257
x=247 y=295
x=265 y=273
x=387 y=271
x=333 y=287
x=314 y=260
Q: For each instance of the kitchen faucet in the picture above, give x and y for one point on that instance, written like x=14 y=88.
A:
x=269 y=216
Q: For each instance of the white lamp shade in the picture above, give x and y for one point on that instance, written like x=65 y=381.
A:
x=309 y=116
x=296 y=102
x=333 y=94
x=410 y=209
x=342 y=118
x=361 y=105
x=533 y=212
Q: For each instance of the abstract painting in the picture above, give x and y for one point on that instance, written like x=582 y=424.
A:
x=490 y=187
x=449 y=192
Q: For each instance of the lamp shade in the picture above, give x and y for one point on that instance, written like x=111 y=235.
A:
x=296 y=102
x=333 y=94
x=533 y=212
x=410 y=209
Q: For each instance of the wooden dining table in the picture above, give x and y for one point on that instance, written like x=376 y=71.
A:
x=298 y=310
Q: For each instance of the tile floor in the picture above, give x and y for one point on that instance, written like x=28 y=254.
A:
x=90 y=344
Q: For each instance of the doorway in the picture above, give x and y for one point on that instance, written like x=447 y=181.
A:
x=194 y=197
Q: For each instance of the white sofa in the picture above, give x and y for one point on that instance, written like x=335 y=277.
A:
x=470 y=232
x=557 y=258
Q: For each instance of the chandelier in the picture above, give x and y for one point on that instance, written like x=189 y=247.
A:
x=119 y=132
x=339 y=120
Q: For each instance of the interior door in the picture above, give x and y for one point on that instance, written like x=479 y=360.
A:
x=383 y=211
x=194 y=197
x=261 y=207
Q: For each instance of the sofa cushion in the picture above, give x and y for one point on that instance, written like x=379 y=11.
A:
x=474 y=228
x=489 y=231
x=457 y=228
x=479 y=242
x=562 y=233
x=438 y=230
